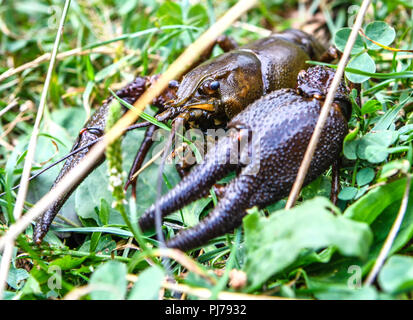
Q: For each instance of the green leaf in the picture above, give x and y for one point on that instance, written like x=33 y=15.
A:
x=319 y=187
x=343 y=271
x=104 y=211
x=148 y=285
x=71 y=119
x=88 y=196
x=94 y=240
x=105 y=245
x=274 y=243
x=405 y=130
x=127 y=6
x=390 y=116
x=143 y=115
x=365 y=176
x=397 y=274
x=32 y=286
x=367 y=208
x=370 y=107
x=170 y=13
x=193 y=210
x=16 y=45
x=393 y=167
x=341 y=37
x=332 y=291
x=350 y=149
x=361 y=62
x=380 y=32
x=89 y=69
x=9 y=295
x=373 y=146
x=110 y=281
x=376 y=153
x=361 y=191
x=16 y=276
x=110 y=230
x=347 y=193
x=68 y=262
x=198 y=15
x=383 y=223
x=352 y=134
x=384 y=137
x=88 y=91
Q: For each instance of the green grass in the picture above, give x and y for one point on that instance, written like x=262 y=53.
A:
x=292 y=254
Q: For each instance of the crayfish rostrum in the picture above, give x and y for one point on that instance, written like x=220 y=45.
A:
x=253 y=90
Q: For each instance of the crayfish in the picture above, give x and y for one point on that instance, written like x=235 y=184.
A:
x=260 y=91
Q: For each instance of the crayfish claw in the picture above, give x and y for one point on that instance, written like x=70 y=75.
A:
x=226 y=216
x=195 y=185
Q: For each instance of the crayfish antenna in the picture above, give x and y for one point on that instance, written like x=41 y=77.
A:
x=196 y=184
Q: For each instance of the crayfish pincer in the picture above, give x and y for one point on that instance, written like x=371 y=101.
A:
x=281 y=124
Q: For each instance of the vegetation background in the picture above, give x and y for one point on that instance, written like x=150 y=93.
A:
x=306 y=253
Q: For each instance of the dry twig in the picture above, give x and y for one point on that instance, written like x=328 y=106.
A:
x=305 y=164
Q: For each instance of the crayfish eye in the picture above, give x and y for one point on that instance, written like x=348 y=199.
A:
x=209 y=87
x=214 y=85
x=173 y=84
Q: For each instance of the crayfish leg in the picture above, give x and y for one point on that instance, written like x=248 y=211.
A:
x=335 y=182
x=146 y=144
